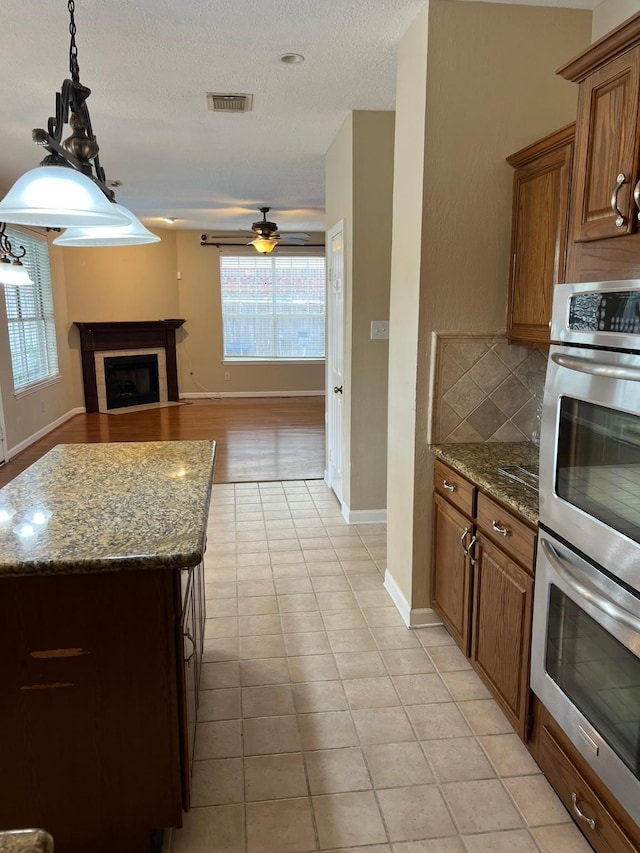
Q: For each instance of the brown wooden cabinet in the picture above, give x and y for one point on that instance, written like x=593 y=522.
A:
x=606 y=169
x=482 y=588
x=602 y=820
x=539 y=230
x=451 y=578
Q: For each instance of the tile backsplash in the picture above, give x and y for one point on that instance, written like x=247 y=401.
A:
x=485 y=389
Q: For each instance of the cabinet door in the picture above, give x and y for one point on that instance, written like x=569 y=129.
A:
x=502 y=611
x=539 y=241
x=189 y=647
x=607 y=149
x=451 y=573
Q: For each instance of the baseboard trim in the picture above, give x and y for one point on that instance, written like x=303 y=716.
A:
x=397 y=596
x=418 y=617
x=18 y=448
x=364 y=516
x=220 y=395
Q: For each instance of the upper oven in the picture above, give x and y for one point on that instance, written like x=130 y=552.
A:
x=590 y=436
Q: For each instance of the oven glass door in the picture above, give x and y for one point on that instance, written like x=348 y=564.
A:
x=585 y=663
x=598 y=463
x=597 y=673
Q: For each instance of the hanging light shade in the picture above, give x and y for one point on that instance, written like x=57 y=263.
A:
x=69 y=188
x=264 y=244
x=58 y=197
x=13 y=272
x=132 y=234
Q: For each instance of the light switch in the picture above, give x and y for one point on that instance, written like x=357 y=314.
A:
x=379 y=330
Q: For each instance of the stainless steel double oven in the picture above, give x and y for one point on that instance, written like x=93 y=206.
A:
x=586 y=633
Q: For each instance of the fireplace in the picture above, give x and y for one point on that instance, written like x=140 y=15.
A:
x=131 y=380
x=128 y=364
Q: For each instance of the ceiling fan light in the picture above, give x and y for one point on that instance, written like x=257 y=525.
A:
x=132 y=234
x=58 y=197
x=264 y=244
x=14 y=273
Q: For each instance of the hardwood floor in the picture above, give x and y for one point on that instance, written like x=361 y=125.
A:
x=261 y=438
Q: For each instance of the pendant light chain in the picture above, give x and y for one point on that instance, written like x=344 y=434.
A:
x=73 y=48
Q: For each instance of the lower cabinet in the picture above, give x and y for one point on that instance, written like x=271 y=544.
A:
x=451 y=586
x=482 y=588
x=605 y=825
x=501 y=647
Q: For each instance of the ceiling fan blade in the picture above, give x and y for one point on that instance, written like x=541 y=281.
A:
x=294 y=235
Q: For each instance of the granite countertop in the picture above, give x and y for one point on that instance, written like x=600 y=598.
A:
x=480 y=462
x=108 y=507
x=26 y=841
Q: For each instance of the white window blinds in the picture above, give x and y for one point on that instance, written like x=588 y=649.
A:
x=273 y=307
x=32 y=333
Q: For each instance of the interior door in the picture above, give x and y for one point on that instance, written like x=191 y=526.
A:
x=335 y=357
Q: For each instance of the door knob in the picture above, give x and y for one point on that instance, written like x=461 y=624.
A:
x=337 y=389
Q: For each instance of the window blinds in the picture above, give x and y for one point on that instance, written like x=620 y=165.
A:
x=273 y=307
x=32 y=333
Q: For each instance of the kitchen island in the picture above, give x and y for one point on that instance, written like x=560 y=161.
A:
x=101 y=631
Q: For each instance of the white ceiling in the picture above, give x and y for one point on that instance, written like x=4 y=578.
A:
x=149 y=64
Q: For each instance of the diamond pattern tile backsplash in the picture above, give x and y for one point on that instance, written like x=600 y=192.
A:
x=486 y=389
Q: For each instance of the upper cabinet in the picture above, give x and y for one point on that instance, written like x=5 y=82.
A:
x=541 y=186
x=607 y=173
x=605 y=200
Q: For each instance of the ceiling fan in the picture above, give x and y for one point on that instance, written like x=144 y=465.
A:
x=267 y=236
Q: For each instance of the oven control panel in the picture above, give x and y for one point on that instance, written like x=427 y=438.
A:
x=605 y=312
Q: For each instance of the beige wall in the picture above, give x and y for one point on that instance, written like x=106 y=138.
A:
x=608 y=14
x=26 y=415
x=359 y=181
x=491 y=88
x=141 y=283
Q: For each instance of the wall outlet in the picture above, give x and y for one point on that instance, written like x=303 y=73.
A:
x=379 y=330
x=227 y=376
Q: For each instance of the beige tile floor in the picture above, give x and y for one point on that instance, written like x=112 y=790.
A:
x=324 y=723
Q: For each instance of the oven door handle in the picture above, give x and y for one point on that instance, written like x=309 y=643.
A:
x=596 y=368
x=588 y=591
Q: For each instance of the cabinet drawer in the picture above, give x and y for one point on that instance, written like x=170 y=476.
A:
x=454 y=488
x=507 y=531
x=577 y=795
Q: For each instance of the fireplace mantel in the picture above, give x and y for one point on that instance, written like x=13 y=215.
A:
x=136 y=334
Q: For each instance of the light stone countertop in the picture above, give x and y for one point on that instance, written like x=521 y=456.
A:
x=480 y=462
x=108 y=507
x=26 y=841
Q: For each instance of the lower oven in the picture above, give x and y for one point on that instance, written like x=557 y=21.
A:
x=585 y=663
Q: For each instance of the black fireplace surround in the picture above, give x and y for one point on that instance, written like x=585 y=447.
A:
x=144 y=334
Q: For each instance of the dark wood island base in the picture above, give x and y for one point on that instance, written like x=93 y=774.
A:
x=99 y=694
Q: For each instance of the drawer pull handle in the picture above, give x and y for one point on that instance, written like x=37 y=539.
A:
x=193 y=648
x=450 y=487
x=588 y=820
x=499 y=528
x=621 y=180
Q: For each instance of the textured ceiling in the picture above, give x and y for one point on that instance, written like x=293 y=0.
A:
x=149 y=64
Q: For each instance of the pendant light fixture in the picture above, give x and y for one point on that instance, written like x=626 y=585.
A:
x=133 y=234
x=69 y=188
x=12 y=270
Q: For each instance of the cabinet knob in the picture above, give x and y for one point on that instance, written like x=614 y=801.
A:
x=462 y=538
x=450 y=487
x=620 y=181
x=337 y=389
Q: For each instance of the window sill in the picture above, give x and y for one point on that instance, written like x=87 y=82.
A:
x=37 y=386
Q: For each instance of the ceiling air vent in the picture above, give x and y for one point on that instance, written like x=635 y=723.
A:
x=225 y=102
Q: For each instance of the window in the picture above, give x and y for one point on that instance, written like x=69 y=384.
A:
x=272 y=307
x=32 y=333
